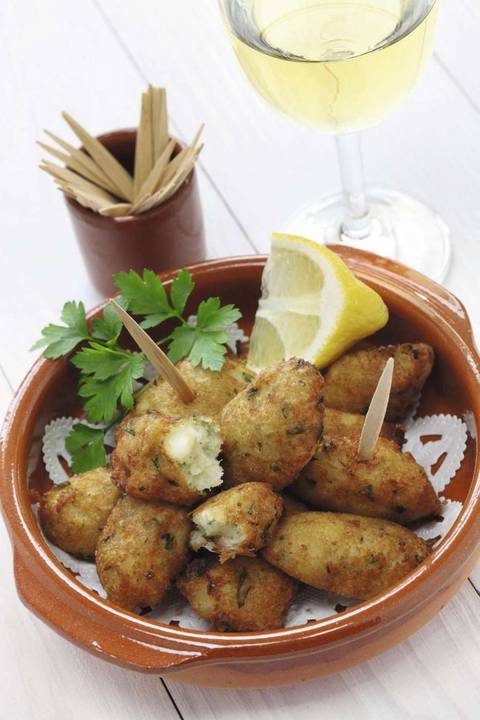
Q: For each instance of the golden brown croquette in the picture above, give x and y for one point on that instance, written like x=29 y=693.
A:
x=213 y=390
x=73 y=514
x=351 y=381
x=349 y=555
x=141 y=548
x=244 y=594
x=238 y=521
x=270 y=430
x=390 y=485
x=159 y=458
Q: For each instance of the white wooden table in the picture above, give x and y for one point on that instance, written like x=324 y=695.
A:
x=93 y=58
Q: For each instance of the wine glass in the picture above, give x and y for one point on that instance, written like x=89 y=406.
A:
x=340 y=66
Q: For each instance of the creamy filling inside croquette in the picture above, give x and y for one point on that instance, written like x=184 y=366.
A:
x=194 y=444
x=213 y=531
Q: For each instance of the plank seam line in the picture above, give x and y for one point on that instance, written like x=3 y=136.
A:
x=144 y=77
x=2 y=371
x=474 y=587
x=457 y=83
x=172 y=698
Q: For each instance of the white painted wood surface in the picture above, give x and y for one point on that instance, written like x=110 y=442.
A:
x=93 y=58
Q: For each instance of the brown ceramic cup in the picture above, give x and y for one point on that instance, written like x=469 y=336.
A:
x=419 y=310
x=171 y=235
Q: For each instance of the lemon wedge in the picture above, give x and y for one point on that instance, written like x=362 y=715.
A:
x=312 y=306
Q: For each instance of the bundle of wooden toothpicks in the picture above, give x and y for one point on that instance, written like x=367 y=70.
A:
x=94 y=178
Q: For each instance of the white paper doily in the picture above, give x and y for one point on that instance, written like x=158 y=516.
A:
x=439 y=528
x=451 y=443
x=469 y=420
x=53 y=448
x=175 y=609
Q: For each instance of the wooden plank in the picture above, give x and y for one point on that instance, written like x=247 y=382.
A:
x=475 y=578
x=432 y=675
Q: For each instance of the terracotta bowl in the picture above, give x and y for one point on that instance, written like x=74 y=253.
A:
x=420 y=310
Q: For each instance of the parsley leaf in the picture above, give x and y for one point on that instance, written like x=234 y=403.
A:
x=199 y=345
x=205 y=341
x=106 y=379
x=183 y=338
x=145 y=296
x=211 y=316
x=62 y=339
x=148 y=297
x=108 y=327
x=103 y=396
x=181 y=290
x=209 y=349
x=103 y=362
x=86 y=446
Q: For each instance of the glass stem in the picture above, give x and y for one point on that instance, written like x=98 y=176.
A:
x=357 y=224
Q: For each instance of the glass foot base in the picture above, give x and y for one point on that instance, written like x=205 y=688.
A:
x=402 y=228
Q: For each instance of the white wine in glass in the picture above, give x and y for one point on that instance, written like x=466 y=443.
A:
x=341 y=66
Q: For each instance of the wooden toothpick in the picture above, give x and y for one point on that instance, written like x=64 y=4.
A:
x=117 y=210
x=159 y=120
x=110 y=166
x=83 y=158
x=157 y=357
x=77 y=182
x=376 y=413
x=150 y=184
x=82 y=166
x=144 y=160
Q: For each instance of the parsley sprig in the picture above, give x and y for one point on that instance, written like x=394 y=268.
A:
x=203 y=342
x=108 y=372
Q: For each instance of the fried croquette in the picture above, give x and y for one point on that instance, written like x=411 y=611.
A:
x=349 y=555
x=244 y=594
x=213 y=390
x=337 y=422
x=73 y=514
x=390 y=485
x=141 y=548
x=238 y=521
x=270 y=429
x=159 y=458
x=351 y=381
